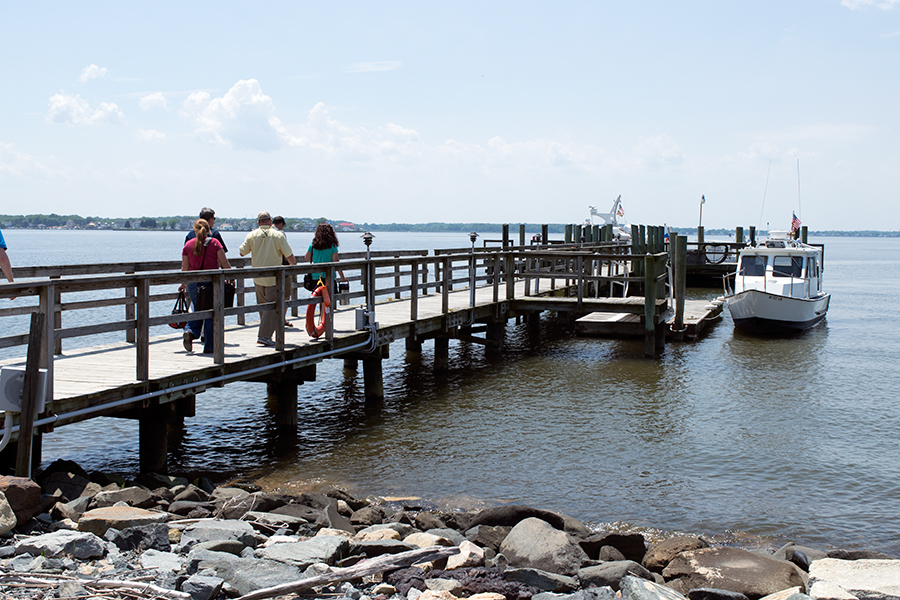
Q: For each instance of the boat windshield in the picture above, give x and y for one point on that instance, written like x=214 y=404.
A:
x=753 y=266
x=787 y=266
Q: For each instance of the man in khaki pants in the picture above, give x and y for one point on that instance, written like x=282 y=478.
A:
x=267 y=246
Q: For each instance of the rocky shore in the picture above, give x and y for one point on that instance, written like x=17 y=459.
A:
x=70 y=534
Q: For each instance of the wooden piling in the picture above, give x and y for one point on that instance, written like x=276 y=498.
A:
x=738 y=235
x=545 y=233
x=494 y=335
x=522 y=234
x=351 y=364
x=680 y=243
x=153 y=435
x=285 y=394
x=753 y=235
x=505 y=235
x=804 y=234
x=373 y=381
x=441 y=354
x=30 y=396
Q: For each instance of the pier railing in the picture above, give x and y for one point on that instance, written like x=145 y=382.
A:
x=146 y=291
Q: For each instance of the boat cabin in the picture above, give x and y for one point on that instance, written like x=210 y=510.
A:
x=780 y=266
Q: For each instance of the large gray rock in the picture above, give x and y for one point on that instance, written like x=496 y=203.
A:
x=71 y=510
x=132 y=496
x=534 y=543
x=249 y=574
x=611 y=573
x=866 y=578
x=201 y=587
x=320 y=549
x=212 y=530
x=730 y=569
x=79 y=545
x=69 y=485
x=99 y=520
x=144 y=537
x=661 y=553
x=542 y=580
x=488 y=536
x=401 y=528
x=162 y=561
x=604 y=593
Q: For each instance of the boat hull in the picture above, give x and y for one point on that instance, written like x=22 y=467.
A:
x=754 y=311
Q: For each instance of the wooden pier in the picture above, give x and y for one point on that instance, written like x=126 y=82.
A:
x=464 y=293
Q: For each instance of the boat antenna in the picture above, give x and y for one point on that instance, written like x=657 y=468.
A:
x=799 y=204
x=766 y=189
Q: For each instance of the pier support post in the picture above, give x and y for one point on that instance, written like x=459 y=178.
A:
x=441 y=354
x=413 y=344
x=351 y=364
x=680 y=254
x=753 y=235
x=739 y=235
x=153 y=436
x=373 y=383
x=495 y=332
x=533 y=321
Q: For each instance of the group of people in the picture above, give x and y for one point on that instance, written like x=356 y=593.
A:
x=268 y=247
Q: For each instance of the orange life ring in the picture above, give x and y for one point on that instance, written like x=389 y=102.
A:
x=311 y=328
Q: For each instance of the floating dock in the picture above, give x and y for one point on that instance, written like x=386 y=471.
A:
x=699 y=315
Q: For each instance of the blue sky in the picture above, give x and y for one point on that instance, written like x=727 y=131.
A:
x=463 y=111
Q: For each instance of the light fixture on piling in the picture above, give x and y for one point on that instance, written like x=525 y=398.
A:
x=367 y=240
x=473 y=236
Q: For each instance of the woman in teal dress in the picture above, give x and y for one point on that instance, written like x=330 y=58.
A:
x=324 y=249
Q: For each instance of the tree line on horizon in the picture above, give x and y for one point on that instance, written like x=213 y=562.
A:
x=170 y=222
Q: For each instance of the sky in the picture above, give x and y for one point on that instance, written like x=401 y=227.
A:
x=460 y=111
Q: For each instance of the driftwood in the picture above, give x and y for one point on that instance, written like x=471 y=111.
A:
x=385 y=562
x=147 y=590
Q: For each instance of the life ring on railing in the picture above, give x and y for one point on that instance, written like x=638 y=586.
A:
x=312 y=329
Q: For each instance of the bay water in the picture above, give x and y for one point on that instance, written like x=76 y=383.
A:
x=742 y=439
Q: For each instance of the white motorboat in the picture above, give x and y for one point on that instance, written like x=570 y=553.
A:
x=778 y=286
x=620 y=231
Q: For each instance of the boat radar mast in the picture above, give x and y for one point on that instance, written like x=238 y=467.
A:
x=611 y=217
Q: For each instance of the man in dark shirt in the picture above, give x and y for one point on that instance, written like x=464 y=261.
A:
x=209 y=215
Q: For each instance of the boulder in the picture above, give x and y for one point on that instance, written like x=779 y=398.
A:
x=661 y=553
x=455 y=537
x=207 y=531
x=542 y=580
x=161 y=561
x=368 y=515
x=488 y=536
x=201 y=587
x=186 y=507
x=426 y=520
x=97 y=521
x=143 y=537
x=376 y=535
x=79 y=545
x=716 y=594
x=23 y=496
x=730 y=569
x=511 y=515
x=244 y=574
x=191 y=493
x=8 y=518
x=611 y=574
x=604 y=593
x=534 y=543
x=320 y=549
x=70 y=510
x=865 y=578
x=401 y=528
x=379 y=547
x=469 y=555
x=859 y=555
x=132 y=496
x=424 y=540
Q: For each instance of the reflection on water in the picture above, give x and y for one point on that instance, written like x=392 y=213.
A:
x=773 y=438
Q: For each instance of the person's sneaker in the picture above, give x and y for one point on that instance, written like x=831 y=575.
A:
x=265 y=342
x=187 y=340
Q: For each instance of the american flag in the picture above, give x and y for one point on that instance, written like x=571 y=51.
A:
x=795 y=223
x=620 y=212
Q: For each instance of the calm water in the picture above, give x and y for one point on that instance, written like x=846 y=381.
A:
x=731 y=436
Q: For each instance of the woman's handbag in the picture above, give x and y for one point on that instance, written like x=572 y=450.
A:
x=205 y=295
x=308 y=282
x=181 y=308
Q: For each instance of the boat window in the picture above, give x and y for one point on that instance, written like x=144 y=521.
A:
x=787 y=266
x=811 y=270
x=753 y=266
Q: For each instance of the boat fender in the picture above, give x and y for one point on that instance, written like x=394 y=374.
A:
x=312 y=328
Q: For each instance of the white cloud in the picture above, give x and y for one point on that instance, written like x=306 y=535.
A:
x=858 y=4
x=66 y=109
x=243 y=118
x=366 y=67
x=92 y=72
x=149 y=135
x=14 y=162
x=659 y=151
x=156 y=100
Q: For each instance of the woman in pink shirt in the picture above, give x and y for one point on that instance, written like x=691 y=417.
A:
x=199 y=254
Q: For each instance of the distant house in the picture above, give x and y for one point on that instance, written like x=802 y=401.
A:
x=184 y=224
x=345 y=227
x=70 y=224
x=226 y=227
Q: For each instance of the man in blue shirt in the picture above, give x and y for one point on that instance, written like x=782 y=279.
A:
x=209 y=215
x=4 y=259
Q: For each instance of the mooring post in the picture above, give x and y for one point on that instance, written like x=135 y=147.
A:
x=680 y=283
x=753 y=235
x=441 y=354
x=505 y=235
x=373 y=382
x=649 y=305
x=568 y=234
x=738 y=235
x=29 y=396
x=522 y=234
x=545 y=233
x=804 y=234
